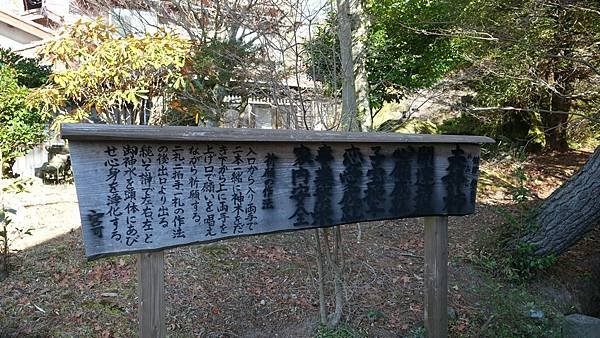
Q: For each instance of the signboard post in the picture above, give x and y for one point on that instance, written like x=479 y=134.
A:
x=436 y=276
x=151 y=289
x=142 y=189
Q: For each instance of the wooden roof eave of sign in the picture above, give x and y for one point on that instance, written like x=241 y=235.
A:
x=105 y=132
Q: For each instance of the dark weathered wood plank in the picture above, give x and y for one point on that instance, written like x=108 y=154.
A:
x=151 y=289
x=436 y=276
x=136 y=196
x=105 y=132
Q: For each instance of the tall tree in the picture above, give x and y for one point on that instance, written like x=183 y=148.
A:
x=538 y=57
x=360 y=35
x=349 y=108
x=525 y=60
x=404 y=52
x=233 y=45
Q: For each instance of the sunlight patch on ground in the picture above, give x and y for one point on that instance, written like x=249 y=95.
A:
x=48 y=211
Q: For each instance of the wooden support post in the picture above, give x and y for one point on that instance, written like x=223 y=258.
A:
x=151 y=284
x=436 y=276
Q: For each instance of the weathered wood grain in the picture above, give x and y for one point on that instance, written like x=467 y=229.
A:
x=436 y=276
x=151 y=290
x=105 y=132
x=336 y=183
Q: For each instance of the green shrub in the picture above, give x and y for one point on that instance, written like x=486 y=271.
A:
x=465 y=124
x=510 y=130
x=342 y=331
x=28 y=72
x=408 y=126
x=20 y=127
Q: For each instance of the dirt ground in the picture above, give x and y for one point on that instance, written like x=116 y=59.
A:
x=265 y=286
x=47 y=210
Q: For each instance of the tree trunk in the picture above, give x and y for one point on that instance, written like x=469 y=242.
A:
x=359 y=35
x=348 y=118
x=570 y=212
x=561 y=78
x=555 y=125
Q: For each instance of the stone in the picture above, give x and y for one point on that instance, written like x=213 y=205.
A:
x=109 y=294
x=452 y=314
x=536 y=314
x=581 y=326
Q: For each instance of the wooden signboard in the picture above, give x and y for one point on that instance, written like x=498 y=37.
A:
x=147 y=188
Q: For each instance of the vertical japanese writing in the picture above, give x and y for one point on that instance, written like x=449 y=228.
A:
x=249 y=195
x=208 y=191
x=455 y=182
x=323 y=211
x=351 y=179
x=375 y=192
x=474 y=176
x=129 y=162
x=300 y=186
x=237 y=195
x=402 y=176
x=146 y=196
x=113 y=199
x=195 y=156
x=222 y=207
x=425 y=179
x=146 y=182
x=177 y=201
x=269 y=175
x=163 y=174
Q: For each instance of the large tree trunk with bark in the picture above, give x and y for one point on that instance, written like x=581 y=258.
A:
x=570 y=212
x=360 y=23
x=349 y=109
x=555 y=131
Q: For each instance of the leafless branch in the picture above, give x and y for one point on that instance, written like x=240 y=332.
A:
x=528 y=110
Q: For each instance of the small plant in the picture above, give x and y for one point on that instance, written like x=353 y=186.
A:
x=524 y=261
x=9 y=233
x=510 y=313
x=520 y=192
x=502 y=253
x=342 y=331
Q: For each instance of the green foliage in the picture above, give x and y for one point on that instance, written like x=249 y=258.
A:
x=215 y=70
x=399 y=57
x=530 y=58
x=509 y=313
x=525 y=263
x=28 y=72
x=341 y=331
x=510 y=130
x=501 y=253
x=21 y=127
x=409 y=126
x=111 y=78
x=520 y=192
x=542 y=58
x=402 y=55
x=465 y=124
x=322 y=59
